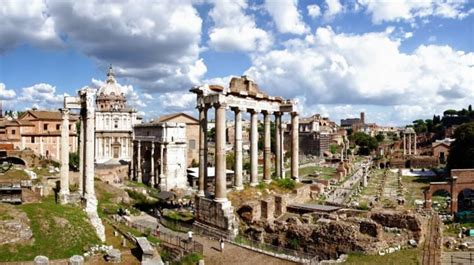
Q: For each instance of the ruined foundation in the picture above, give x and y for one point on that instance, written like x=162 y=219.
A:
x=215 y=218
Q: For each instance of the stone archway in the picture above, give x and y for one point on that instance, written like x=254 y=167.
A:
x=465 y=199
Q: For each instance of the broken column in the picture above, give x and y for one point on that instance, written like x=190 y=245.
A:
x=64 y=191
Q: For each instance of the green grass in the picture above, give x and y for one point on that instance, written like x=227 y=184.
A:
x=59 y=232
x=190 y=259
x=14 y=174
x=405 y=257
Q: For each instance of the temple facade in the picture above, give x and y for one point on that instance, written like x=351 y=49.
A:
x=114 y=123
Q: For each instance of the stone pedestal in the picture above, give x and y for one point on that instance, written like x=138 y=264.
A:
x=215 y=218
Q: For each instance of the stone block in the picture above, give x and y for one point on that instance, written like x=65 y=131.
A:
x=267 y=208
x=76 y=260
x=41 y=260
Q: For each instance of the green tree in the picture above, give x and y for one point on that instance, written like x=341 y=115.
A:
x=74 y=160
x=450 y=112
x=380 y=137
x=461 y=153
x=365 y=142
x=333 y=148
x=230 y=160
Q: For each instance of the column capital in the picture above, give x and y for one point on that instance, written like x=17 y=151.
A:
x=294 y=114
x=278 y=113
x=219 y=105
x=64 y=110
x=252 y=111
x=237 y=109
x=202 y=107
x=267 y=112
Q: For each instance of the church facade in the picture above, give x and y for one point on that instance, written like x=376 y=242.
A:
x=114 y=123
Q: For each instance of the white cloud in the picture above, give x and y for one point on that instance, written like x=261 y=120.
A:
x=6 y=94
x=333 y=7
x=233 y=30
x=366 y=69
x=314 y=11
x=409 y=10
x=286 y=16
x=148 y=41
x=26 y=21
x=42 y=96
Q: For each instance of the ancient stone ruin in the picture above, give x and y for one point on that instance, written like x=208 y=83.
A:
x=215 y=213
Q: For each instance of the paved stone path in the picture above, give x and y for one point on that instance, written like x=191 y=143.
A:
x=234 y=254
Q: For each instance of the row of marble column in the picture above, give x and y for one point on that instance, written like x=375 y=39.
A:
x=410 y=136
x=220 y=149
x=137 y=165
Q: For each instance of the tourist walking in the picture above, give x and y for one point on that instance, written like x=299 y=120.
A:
x=190 y=236
x=221 y=242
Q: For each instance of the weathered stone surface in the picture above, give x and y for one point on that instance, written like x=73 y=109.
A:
x=249 y=212
x=400 y=220
x=370 y=228
x=16 y=226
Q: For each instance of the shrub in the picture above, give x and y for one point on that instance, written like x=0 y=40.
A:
x=286 y=183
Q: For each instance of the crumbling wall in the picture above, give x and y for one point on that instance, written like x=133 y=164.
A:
x=407 y=221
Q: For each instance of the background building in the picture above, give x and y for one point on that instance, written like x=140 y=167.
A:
x=192 y=133
x=113 y=123
x=39 y=131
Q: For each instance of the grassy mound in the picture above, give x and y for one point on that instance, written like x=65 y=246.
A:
x=58 y=231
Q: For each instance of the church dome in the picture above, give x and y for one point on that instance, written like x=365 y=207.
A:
x=110 y=88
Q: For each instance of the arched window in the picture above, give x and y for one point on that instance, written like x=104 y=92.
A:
x=116 y=123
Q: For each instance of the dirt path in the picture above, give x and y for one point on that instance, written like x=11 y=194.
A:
x=235 y=255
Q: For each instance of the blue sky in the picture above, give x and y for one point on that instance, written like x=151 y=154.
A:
x=395 y=60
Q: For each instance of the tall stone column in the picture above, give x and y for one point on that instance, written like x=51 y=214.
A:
x=238 y=181
x=294 y=145
x=152 y=162
x=202 y=150
x=132 y=161
x=81 y=154
x=414 y=146
x=404 y=144
x=278 y=154
x=139 y=162
x=266 y=148
x=282 y=145
x=64 y=192
x=253 y=148
x=89 y=148
x=163 y=183
x=221 y=180
x=409 y=144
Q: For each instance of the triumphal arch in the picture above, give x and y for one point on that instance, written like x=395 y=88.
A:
x=214 y=212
